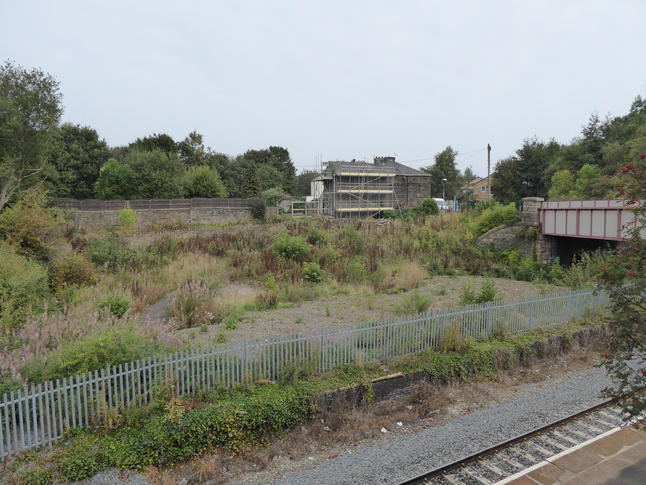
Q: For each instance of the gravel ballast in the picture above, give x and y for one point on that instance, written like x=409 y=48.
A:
x=400 y=459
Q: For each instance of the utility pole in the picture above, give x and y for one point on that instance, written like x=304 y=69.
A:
x=489 y=172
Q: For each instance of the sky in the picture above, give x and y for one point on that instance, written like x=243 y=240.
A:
x=336 y=79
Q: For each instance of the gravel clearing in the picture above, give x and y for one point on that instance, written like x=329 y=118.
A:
x=400 y=459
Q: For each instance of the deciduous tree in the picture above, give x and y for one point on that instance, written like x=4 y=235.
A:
x=30 y=110
x=116 y=181
x=203 y=181
x=77 y=161
x=445 y=176
x=158 y=174
x=561 y=186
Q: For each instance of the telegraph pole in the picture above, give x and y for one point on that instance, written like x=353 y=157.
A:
x=489 y=172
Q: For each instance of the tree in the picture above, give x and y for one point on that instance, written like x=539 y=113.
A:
x=304 y=183
x=251 y=184
x=468 y=175
x=278 y=158
x=162 y=142
x=561 y=186
x=228 y=171
x=158 y=174
x=204 y=181
x=116 y=181
x=624 y=278
x=30 y=110
x=445 y=176
x=192 y=151
x=506 y=180
x=77 y=161
x=585 y=176
x=270 y=178
x=527 y=173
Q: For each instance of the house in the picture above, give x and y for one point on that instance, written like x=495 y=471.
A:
x=361 y=189
x=477 y=190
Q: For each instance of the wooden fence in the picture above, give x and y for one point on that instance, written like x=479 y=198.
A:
x=38 y=415
x=152 y=204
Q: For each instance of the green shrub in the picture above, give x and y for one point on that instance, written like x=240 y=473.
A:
x=430 y=206
x=258 y=208
x=117 y=305
x=267 y=299
x=586 y=271
x=73 y=269
x=272 y=197
x=82 y=459
x=487 y=293
x=23 y=288
x=355 y=271
x=113 y=346
x=414 y=302
x=30 y=226
x=313 y=273
x=468 y=294
x=317 y=236
x=290 y=247
x=109 y=252
x=37 y=476
x=493 y=216
x=127 y=218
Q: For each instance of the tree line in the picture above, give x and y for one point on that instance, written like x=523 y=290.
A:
x=589 y=167
x=70 y=160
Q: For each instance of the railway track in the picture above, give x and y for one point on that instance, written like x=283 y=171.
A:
x=504 y=460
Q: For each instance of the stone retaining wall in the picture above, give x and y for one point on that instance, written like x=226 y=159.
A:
x=526 y=236
x=400 y=385
x=147 y=219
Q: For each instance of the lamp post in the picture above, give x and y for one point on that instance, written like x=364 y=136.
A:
x=443 y=180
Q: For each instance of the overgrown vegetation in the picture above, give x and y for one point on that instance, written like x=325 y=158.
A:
x=284 y=263
x=175 y=429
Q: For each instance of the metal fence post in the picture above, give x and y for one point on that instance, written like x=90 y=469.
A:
x=489 y=323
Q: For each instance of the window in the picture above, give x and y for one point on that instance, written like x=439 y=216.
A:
x=483 y=189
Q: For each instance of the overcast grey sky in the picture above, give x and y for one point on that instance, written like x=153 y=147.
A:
x=333 y=79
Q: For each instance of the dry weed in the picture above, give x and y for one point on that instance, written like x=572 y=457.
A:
x=208 y=467
x=153 y=475
x=406 y=275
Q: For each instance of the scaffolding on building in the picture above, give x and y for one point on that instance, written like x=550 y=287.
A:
x=357 y=190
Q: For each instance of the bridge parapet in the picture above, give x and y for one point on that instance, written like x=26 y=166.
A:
x=531 y=207
x=608 y=219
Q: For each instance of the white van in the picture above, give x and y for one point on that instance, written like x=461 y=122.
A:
x=441 y=204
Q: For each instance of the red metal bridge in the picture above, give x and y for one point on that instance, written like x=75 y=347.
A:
x=610 y=220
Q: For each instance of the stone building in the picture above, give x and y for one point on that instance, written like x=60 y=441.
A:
x=361 y=189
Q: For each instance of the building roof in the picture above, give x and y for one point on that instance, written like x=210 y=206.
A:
x=393 y=168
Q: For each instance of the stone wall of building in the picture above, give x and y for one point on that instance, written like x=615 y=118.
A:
x=147 y=219
x=411 y=191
